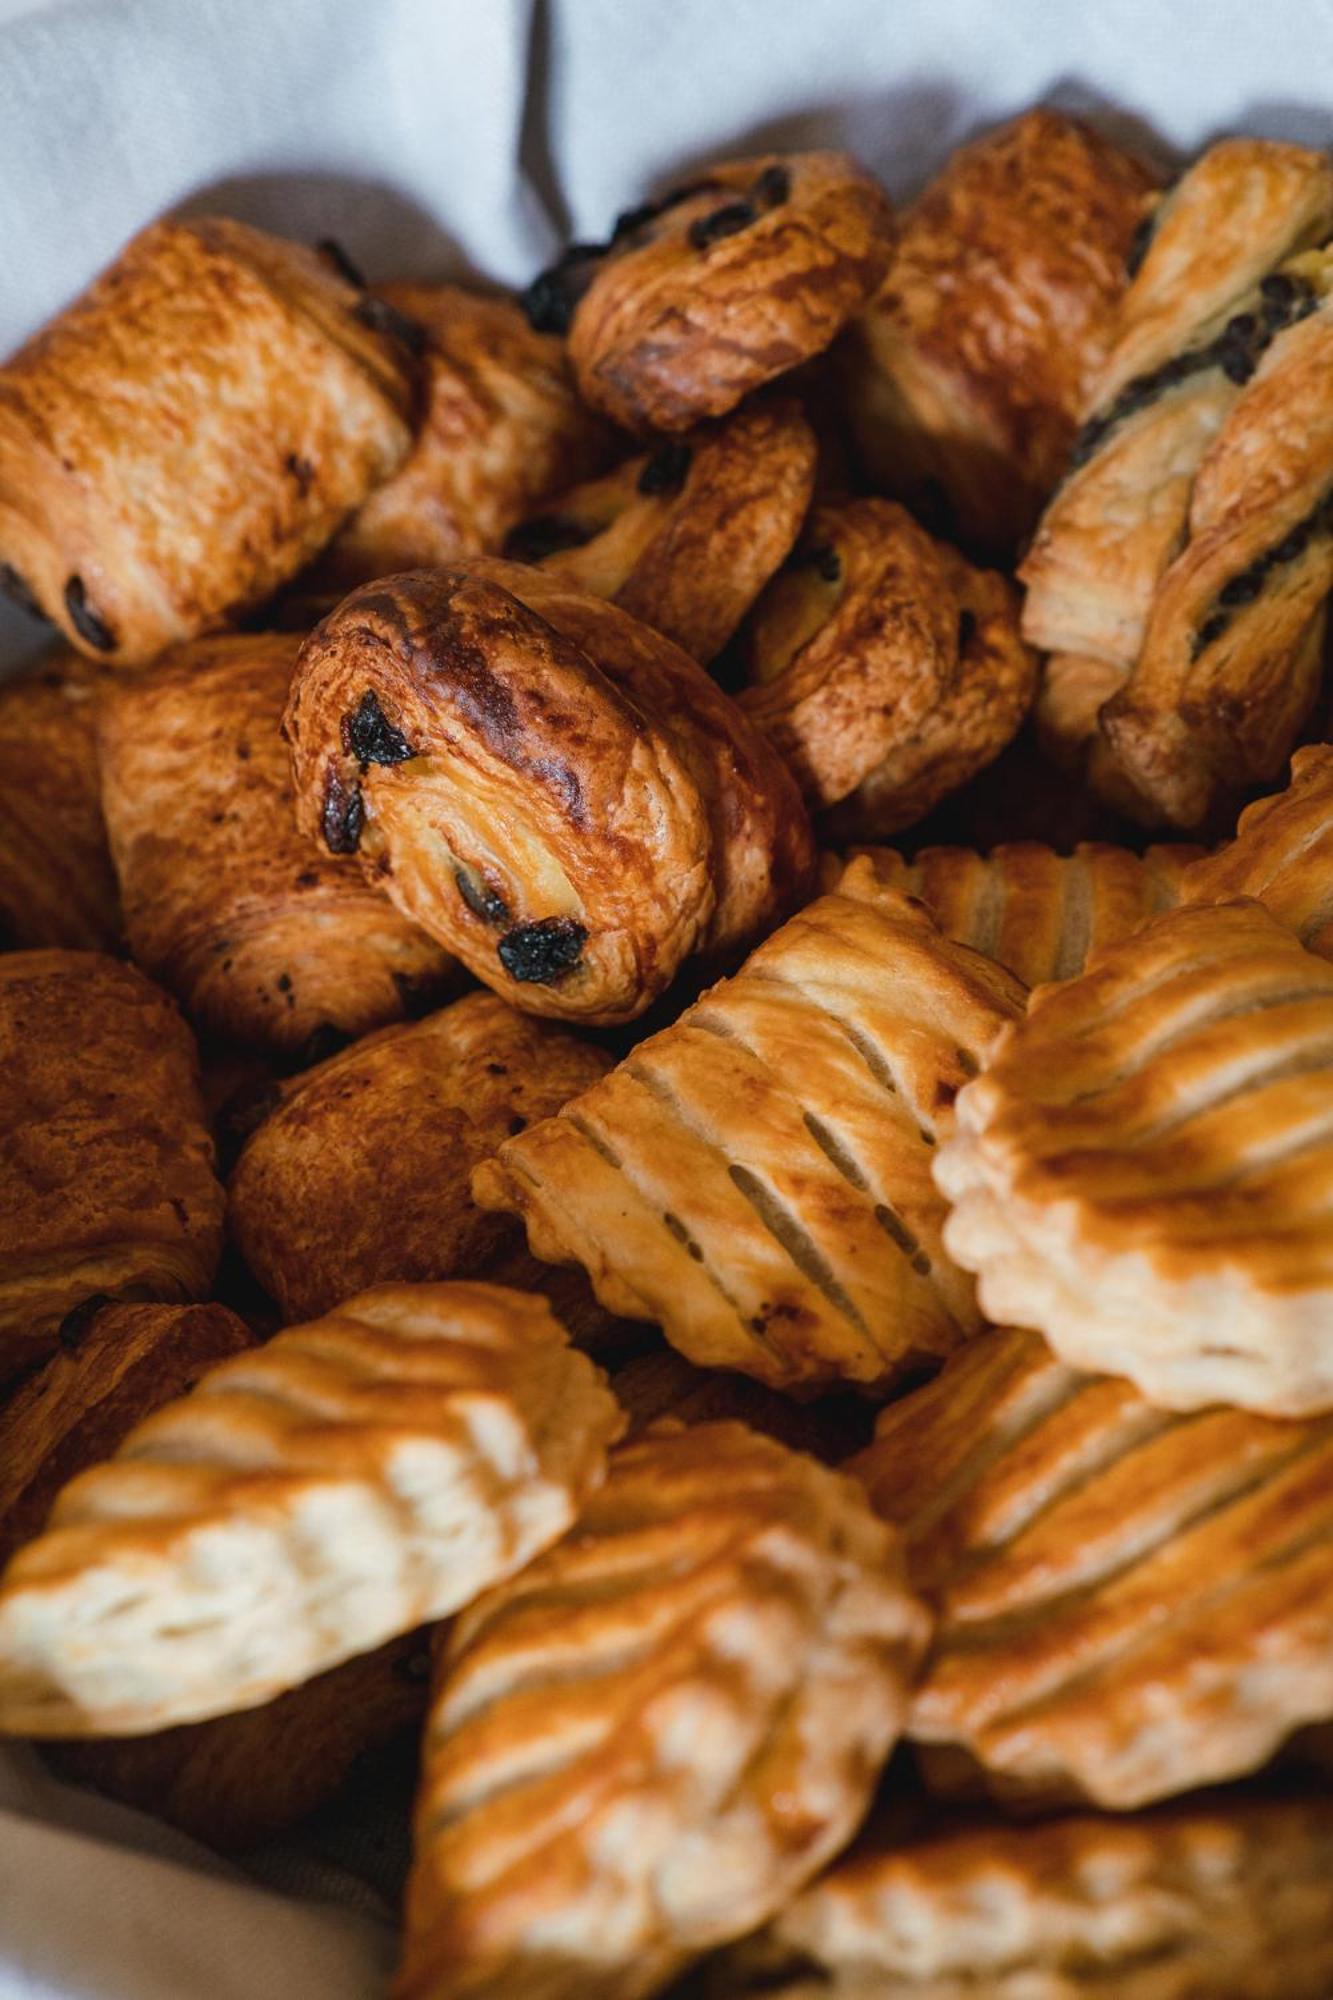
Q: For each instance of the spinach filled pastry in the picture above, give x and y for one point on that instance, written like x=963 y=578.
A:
x=191 y=431
x=57 y=884
x=264 y=937
x=556 y=793
x=702 y=296
x=106 y=1166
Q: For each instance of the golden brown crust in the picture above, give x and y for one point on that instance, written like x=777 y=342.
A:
x=1144 y=1171
x=685 y=537
x=558 y=794
x=307 y=1501
x=647 y=1742
x=360 y=1175
x=1130 y=1604
x=1228 y=1898
x=262 y=936
x=502 y=429
x=185 y=436
x=1282 y=854
x=756 y=1178
x=114 y=1366
x=715 y=291
x=106 y=1168
x=1038 y=913
x=57 y=885
x=966 y=376
x=885 y=668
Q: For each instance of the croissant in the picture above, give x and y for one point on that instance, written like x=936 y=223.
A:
x=360 y=1175
x=106 y=1168
x=502 y=430
x=262 y=936
x=57 y=884
x=884 y=667
x=756 y=1179
x=701 y=297
x=684 y=537
x=190 y=432
x=554 y=792
x=965 y=377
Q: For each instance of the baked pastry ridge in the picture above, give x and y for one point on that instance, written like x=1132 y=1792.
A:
x=1282 y=854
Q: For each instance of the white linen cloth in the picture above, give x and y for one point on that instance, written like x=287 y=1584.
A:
x=439 y=135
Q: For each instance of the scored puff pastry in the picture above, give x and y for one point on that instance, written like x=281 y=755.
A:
x=646 y=1743
x=685 y=536
x=356 y=1477
x=264 y=938
x=884 y=668
x=701 y=297
x=106 y=1166
x=57 y=884
x=965 y=377
x=361 y=1172
x=556 y=793
x=756 y=1178
x=1282 y=854
x=191 y=431
x=1145 y=1173
x=1130 y=1604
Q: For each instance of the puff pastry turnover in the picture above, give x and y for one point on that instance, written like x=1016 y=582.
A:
x=361 y=1173
x=885 y=668
x=684 y=537
x=1144 y=1172
x=556 y=793
x=703 y=296
x=57 y=885
x=186 y=435
x=106 y=1167
x=1282 y=854
x=1130 y=1603
x=646 y=1743
x=756 y=1178
x=966 y=376
x=263 y=936
x=354 y=1478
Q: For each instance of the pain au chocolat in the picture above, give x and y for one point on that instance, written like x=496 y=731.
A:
x=647 y=1742
x=190 y=432
x=1131 y=1603
x=685 y=536
x=264 y=937
x=308 y=1501
x=57 y=884
x=106 y=1166
x=965 y=377
x=557 y=794
x=1144 y=1171
x=757 y=1178
x=704 y=295
x=360 y=1173
x=884 y=667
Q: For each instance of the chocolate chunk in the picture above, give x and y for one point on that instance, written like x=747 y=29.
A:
x=344 y=816
x=73 y=1328
x=332 y=251
x=1212 y=628
x=381 y=317
x=1242 y=589
x=545 y=535
x=480 y=898
x=1294 y=543
x=14 y=587
x=371 y=738
x=728 y=220
x=772 y=187
x=550 y=299
x=667 y=470
x=85 y=620
x=541 y=953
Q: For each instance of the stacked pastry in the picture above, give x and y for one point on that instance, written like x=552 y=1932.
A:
x=801 y=1406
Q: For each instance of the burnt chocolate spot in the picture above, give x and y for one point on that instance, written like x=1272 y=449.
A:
x=540 y=953
x=15 y=587
x=85 y=620
x=545 y=535
x=301 y=470
x=480 y=898
x=284 y=982
x=631 y=220
x=729 y=220
x=73 y=1328
x=343 y=817
x=772 y=187
x=332 y=251
x=550 y=299
x=308 y=879
x=381 y=317
x=667 y=470
x=371 y=738
x=1212 y=628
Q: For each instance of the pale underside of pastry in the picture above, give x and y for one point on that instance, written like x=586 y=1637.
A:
x=356 y=1477
x=1145 y=1171
x=756 y=1178
x=1130 y=1603
x=646 y=1743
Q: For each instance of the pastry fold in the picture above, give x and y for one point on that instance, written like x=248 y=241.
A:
x=57 y=884
x=559 y=795
x=191 y=431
